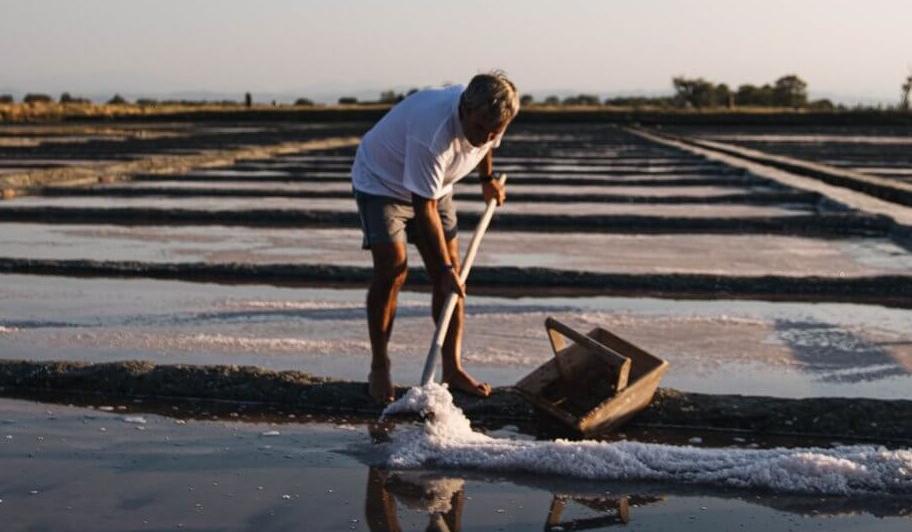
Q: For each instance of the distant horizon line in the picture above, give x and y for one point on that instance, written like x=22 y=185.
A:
x=330 y=96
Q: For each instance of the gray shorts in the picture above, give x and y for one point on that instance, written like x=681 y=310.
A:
x=385 y=220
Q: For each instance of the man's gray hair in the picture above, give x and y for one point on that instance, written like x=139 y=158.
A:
x=493 y=94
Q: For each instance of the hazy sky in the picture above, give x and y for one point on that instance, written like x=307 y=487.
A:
x=850 y=50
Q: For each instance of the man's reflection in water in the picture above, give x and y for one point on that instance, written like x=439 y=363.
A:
x=615 y=511
x=442 y=498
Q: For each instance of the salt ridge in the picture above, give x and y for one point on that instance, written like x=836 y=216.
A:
x=447 y=440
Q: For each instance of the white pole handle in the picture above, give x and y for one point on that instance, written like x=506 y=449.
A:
x=443 y=324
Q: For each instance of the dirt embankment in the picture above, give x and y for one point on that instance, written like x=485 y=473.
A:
x=844 y=419
x=54 y=112
x=160 y=164
x=507 y=281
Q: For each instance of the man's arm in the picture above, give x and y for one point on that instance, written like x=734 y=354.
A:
x=490 y=187
x=428 y=219
x=486 y=166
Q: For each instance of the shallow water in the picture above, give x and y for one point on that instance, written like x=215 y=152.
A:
x=264 y=187
x=741 y=255
x=748 y=347
x=348 y=205
x=70 y=468
x=814 y=139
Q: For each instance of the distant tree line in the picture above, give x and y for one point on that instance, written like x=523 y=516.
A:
x=698 y=93
x=787 y=91
x=906 y=90
x=387 y=96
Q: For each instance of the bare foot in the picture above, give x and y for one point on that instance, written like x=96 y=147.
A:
x=462 y=381
x=380 y=386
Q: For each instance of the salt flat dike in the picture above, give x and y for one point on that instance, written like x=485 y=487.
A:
x=888 y=290
x=886 y=422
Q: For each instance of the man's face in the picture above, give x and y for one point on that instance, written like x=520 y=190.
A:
x=479 y=130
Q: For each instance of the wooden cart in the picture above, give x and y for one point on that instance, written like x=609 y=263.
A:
x=595 y=383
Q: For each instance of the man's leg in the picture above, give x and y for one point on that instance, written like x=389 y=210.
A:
x=390 y=269
x=453 y=373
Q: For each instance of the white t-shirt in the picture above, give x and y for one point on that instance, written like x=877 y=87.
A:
x=418 y=147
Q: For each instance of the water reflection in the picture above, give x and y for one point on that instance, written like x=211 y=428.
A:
x=442 y=498
x=616 y=511
x=585 y=506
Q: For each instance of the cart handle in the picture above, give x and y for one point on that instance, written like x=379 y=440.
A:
x=610 y=355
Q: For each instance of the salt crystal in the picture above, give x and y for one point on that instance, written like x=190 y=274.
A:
x=106 y=408
x=446 y=440
x=271 y=433
x=135 y=419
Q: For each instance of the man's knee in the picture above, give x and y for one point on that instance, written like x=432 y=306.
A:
x=390 y=265
x=390 y=276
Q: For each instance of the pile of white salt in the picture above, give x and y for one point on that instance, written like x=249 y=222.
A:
x=446 y=440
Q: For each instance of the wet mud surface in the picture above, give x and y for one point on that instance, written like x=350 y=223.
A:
x=796 y=223
x=846 y=419
x=889 y=290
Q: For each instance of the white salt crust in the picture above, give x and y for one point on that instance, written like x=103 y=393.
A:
x=446 y=440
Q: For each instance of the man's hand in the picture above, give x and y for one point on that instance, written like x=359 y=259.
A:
x=451 y=283
x=494 y=190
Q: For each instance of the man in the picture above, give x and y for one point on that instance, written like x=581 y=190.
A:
x=403 y=178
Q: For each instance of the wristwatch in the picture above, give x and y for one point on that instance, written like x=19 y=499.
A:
x=486 y=178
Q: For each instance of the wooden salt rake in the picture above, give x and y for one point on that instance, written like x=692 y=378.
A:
x=443 y=323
